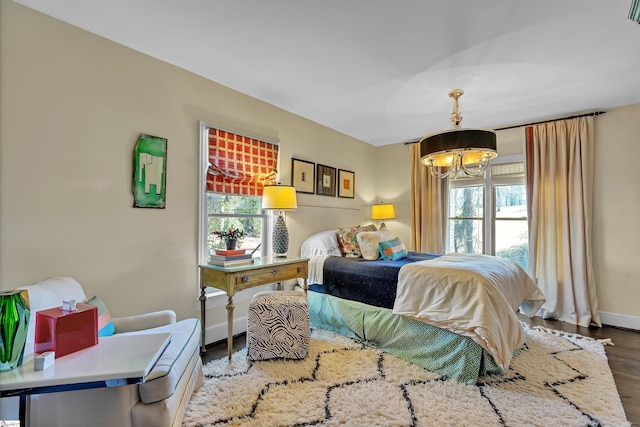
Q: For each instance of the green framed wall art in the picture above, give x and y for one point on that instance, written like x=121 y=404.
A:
x=150 y=172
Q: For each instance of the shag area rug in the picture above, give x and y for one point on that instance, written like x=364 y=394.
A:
x=558 y=379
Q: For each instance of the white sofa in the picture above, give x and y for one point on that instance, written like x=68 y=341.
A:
x=159 y=401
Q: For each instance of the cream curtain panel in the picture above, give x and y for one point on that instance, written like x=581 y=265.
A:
x=428 y=207
x=560 y=162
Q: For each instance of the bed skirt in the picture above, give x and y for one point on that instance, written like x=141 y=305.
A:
x=430 y=347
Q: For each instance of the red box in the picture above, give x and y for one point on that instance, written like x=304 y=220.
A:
x=65 y=332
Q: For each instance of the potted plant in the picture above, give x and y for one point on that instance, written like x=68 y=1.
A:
x=230 y=237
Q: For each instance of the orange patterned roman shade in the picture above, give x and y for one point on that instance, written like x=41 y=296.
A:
x=240 y=164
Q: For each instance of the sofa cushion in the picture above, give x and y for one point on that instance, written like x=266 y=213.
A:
x=165 y=375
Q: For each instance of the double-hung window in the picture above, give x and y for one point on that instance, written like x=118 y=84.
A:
x=231 y=212
x=466 y=217
x=510 y=230
x=233 y=170
x=488 y=214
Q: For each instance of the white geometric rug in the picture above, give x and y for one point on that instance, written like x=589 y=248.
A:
x=559 y=379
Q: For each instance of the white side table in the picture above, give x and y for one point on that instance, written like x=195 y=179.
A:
x=116 y=360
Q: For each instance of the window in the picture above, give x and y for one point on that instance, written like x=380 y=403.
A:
x=488 y=214
x=233 y=170
x=466 y=218
x=510 y=222
x=227 y=211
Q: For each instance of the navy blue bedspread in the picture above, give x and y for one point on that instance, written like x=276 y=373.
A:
x=369 y=282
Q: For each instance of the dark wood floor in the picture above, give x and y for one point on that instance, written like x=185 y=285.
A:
x=624 y=357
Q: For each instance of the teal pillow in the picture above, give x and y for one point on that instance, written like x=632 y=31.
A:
x=105 y=325
x=392 y=250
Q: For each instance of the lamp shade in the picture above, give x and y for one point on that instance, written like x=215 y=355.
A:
x=279 y=197
x=474 y=143
x=383 y=211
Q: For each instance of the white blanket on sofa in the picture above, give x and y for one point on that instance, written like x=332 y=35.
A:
x=472 y=295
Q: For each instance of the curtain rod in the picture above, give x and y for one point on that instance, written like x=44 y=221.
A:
x=595 y=113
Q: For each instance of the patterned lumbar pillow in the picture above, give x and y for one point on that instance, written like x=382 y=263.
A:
x=105 y=325
x=392 y=250
x=368 y=242
x=348 y=239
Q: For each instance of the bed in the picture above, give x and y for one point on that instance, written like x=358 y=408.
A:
x=454 y=314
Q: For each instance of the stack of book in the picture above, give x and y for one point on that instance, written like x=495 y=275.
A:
x=230 y=258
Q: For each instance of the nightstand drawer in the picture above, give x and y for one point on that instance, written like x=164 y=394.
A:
x=270 y=274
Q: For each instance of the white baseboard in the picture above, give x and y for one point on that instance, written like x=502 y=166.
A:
x=218 y=332
x=620 y=320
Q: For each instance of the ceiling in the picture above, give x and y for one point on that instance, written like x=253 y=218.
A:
x=380 y=70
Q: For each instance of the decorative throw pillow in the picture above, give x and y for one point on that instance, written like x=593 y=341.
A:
x=368 y=242
x=105 y=325
x=348 y=239
x=392 y=250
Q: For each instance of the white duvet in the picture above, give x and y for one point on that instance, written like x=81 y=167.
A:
x=472 y=295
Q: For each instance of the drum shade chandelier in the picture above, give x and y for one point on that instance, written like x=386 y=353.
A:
x=458 y=150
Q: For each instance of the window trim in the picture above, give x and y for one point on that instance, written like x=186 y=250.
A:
x=202 y=197
x=202 y=187
x=491 y=199
x=215 y=296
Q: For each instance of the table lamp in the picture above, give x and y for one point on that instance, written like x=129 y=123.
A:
x=280 y=198
x=383 y=211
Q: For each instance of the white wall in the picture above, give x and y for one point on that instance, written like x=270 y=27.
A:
x=616 y=210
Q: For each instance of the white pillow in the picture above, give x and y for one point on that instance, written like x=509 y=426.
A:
x=368 y=242
x=322 y=243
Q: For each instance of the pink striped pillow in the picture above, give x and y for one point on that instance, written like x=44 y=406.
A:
x=105 y=325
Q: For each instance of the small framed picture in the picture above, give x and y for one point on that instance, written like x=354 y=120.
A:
x=303 y=176
x=346 y=184
x=325 y=180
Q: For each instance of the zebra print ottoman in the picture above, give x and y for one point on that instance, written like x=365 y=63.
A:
x=278 y=325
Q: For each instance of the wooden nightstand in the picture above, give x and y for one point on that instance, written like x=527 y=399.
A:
x=263 y=271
